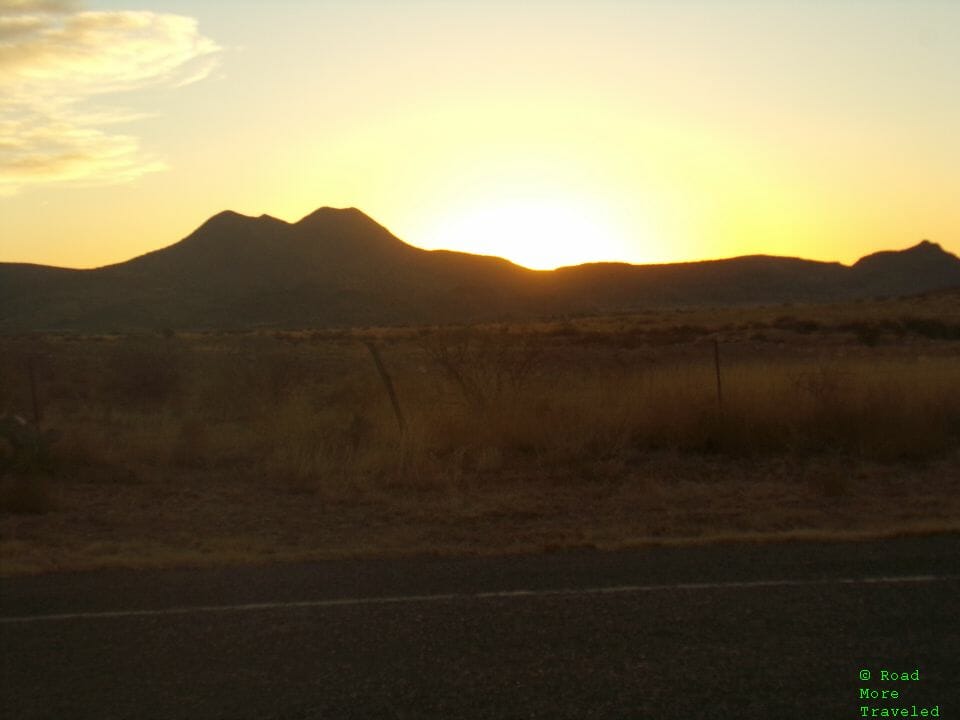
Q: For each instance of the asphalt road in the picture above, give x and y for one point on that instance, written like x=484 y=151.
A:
x=729 y=631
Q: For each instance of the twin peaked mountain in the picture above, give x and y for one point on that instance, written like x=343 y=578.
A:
x=338 y=267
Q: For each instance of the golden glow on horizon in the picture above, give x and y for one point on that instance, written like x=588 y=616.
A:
x=547 y=133
x=538 y=233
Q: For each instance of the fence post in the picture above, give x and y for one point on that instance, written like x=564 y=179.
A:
x=35 y=400
x=388 y=383
x=716 y=364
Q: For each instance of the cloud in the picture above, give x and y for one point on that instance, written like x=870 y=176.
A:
x=58 y=62
x=37 y=6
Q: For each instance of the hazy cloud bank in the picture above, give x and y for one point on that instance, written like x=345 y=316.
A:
x=57 y=62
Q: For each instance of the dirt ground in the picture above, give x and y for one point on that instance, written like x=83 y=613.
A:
x=190 y=519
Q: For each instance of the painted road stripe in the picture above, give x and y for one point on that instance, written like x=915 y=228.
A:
x=502 y=594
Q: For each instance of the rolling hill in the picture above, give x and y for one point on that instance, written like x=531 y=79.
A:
x=338 y=267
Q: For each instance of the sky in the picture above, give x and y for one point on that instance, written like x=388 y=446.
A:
x=550 y=132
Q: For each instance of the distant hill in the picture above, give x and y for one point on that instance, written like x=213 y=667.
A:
x=338 y=267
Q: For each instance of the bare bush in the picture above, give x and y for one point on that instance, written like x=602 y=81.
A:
x=142 y=371
x=484 y=365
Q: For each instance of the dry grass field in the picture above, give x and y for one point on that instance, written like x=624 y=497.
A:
x=834 y=421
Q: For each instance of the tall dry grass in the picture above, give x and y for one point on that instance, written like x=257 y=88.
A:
x=309 y=411
x=887 y=410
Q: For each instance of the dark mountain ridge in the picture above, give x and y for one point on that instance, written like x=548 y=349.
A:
x=338 y=267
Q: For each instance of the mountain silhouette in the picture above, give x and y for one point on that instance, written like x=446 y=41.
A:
x=923 y=266
x=338 y=267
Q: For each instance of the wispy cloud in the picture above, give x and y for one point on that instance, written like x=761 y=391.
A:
x=58 y=62
x=37 y=6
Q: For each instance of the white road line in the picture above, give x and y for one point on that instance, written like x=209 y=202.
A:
x=503 y=594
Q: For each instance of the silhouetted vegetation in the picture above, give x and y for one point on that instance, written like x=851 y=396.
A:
x=570 y=404
x=297 y=401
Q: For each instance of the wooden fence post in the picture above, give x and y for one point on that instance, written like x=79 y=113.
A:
x=35 y=400
x=388 y=383
x=716 y=364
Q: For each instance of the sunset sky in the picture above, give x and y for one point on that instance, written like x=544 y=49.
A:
x=551 y=132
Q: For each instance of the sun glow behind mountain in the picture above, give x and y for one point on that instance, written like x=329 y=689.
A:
x=550 y=133
x=541 y=233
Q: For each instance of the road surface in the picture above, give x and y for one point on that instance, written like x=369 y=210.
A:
x=726 y=631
